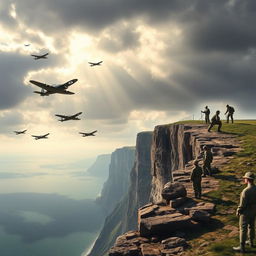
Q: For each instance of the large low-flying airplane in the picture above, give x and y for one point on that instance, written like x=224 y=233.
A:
x=95 y=63
x=37 y=57
x=51 y=89
x=66 y=118
x=85 y=134
x=20 y=132
x=38 y=137
x=26 y=45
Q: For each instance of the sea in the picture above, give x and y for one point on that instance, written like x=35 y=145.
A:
x=48 y=211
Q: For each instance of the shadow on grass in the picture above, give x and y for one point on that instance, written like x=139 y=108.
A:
x=227 y=177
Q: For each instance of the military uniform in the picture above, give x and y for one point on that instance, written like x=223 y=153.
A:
x=196 y=178
x=207 y=158
x=247 y=214
x=230 y=111
x=207 y=115
x=215 y=120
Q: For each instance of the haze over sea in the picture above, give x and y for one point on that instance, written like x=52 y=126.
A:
x=47 y=211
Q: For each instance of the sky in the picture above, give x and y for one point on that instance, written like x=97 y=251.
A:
x=163 y=61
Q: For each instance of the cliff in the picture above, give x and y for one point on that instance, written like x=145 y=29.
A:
x=117 y=184
x=124 y=216
x=100 y=167
x=164 y=224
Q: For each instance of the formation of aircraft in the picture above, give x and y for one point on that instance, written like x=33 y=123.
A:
x=38 y=137
x=95 y=63
x=20 y=132
x=47 y=90
x=66 y=118
x=37 y=57
x=85 y=134
x=51 y=89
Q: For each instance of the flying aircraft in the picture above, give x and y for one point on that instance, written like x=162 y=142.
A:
x=85 y=134
x=26 y=45
x=20 y=132
x=38 y=137
x=95 y=63
x=37 y=57
x=51 y=89
x=66 y=118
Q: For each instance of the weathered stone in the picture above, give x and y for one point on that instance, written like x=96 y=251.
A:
x=199 y=215
x=147 y=212
x=208 y=207
x=173 y=251
x=150 y=250
x=124 y=251
x=174 y=242
x=165 y=210
x=173 y=190
x=175 y=203
x=164 y=225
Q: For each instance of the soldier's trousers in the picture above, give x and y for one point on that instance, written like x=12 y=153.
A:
x=212 y=124
x=197 y=188
x=207 y=170
x=246 y=226
x=207 y=119
x=231 y=117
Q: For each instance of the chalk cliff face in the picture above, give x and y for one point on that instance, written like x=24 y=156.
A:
x=100 y=167
x=124 y=215
x=140 y=180
x=117 y=184
x=172 y=148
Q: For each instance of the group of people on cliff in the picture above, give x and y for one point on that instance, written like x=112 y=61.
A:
x=215 y=120
x=246 y=210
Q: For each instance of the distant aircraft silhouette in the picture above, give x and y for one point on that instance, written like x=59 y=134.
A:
x=51 y=89
x=85 y=134
x=20 y=132
x=26 y=45
x=38 y=137
x=66 y=118
x=37 y=57
x=95 y=63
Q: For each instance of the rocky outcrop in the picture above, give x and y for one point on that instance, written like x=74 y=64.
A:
x=100 y=167
x=174 y=146
x=164 y=223
x=117 y=184
x=125 y=214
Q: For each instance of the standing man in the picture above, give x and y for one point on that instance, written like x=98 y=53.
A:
x=207 y=158
x=247 y=212
x=215 y=120
x=196 y=178
x=230 y=111
x=207 y=115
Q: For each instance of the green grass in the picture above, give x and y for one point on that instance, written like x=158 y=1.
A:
x=227 y=196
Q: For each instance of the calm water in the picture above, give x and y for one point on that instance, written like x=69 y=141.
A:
x=50 y=212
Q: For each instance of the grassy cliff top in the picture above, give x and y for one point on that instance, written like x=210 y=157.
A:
x=218 y=240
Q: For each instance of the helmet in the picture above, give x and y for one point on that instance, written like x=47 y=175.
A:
x=249 y=175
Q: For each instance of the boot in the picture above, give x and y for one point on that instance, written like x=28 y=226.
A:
x=240 y=248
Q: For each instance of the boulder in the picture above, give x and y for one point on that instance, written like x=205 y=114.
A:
x=199 y=215
x=174 y=242
x=208 y=207
x=150 y=250
x=175 y=203
x=124 y=251
x=173 y=190
x=164 y=225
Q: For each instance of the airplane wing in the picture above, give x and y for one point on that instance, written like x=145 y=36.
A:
x=62 y=116
x=41 y=85
x=44 y=136
x=77 y=114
